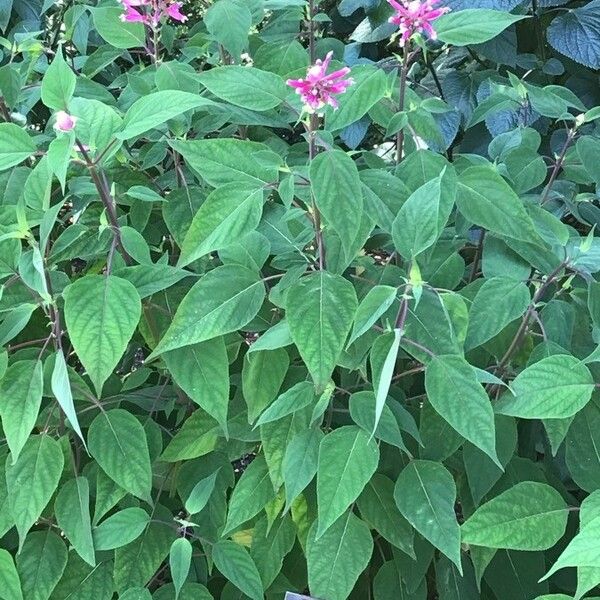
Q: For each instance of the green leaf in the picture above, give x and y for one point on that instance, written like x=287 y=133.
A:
x=338 y=193
x=556 y=387
x=227 y=214
x=118 y=33
x=527 y=516
x=15 y=321
x=228 y=21
x=423 y=216
x=118 y=442
x=262 y=375
x=101 y=313
x=61 y=388
x=300 y=463
x=375 y=304
x=32 y=480
x=347 y=460
x=15 y=145
x=425 y=493
x=583 y=448
x=202 y=372
x=337 y=558
x=485 y=199
x=456 y=395
x=145 y=194
x=510 y=299
x=222 y=301
x=473 y=25
x=296 y=398
x=20 y=400
x=151 y=278
x=582 y=550
x=58 y=84
x=223 y=161
x=201 y=493
x=238 y=567
x=320 y=310
x=180 y=560
x=120 y=529
x=197 y=437
x=252 y=492
x=10 y=584
x=72 y=509
x=137 y=593
x=370 y=86
x=40 y=564
x=245 y=86
x=377 y=507
x=155 y=109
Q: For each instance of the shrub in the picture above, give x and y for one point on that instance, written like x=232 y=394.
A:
x=299 y=296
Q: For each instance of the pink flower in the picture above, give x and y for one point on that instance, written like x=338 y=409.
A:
x=173 y=11
x=318 y=88
x=65 y=121
x=131 y=15
x=134 y=13
x=415 y=17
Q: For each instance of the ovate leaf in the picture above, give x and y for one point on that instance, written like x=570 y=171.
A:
x=58 y=84
x=338 y=193
x=32 y=480
x=238 y=567
x=473 y=25
x=102 y=313
x=347 y=460
x=61 y=388
x=116 y=32
x=180 y=559
x=20 y=401
x=456 y=395
x=320 y=310
x=371 y=307
x=15 y=145
x=425 y=493
x=10 y=584
x=229 y=21
x=117 y=440
x=120 y=529
x=528 y=516
x=222 y=301
x=556 y=387
x=337 y=558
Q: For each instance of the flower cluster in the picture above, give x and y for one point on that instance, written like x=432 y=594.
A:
x=416 y=17
x=318 y=88
x=150 y=12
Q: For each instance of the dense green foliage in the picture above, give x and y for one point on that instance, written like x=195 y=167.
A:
x=251 y=350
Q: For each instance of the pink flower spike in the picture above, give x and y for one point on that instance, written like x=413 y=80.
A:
x=131 y=15
x=132 y=3
x=317 y=89
x=65 y=121
x=173 y=11
x=416 y=17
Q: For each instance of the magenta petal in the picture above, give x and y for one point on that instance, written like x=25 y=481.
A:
x=395 y=4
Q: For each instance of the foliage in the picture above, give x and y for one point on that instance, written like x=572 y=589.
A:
x=250 y=348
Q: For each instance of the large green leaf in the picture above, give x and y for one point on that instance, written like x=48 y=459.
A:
x=484 y=198
x=245 y=86
x=20 y=401
x=180 y=558
x=583 y=448
x=116 y=32
x=473 y=25
x=227 y=214
x=422 y=218
x=102 y=313
x=347 y=460
x=10 y=584
x=155 y=109
x=528 y=516
x=510 y=299
x=222 y=301
x=337 y=558
x=202 y=372
x=32 y=480
x=370 y=86
x=223 y=161
x=72 y=509
x=238 y=567
x=371 y=308
x=252 y=492
x=58 y=84
x=456 y=394
x=41 y=563
x=296 y=398
x=229 y=21
x=320 y=310
x=120 y=529
x=117 y=440
x=15 y=145
x=425 y=493
x=556 y=387
x=338 y=193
